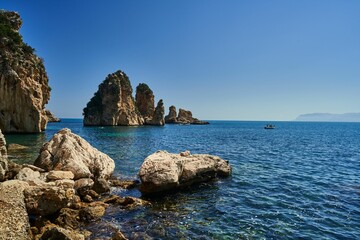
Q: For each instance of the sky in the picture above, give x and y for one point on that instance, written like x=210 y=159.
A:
x=223 y=60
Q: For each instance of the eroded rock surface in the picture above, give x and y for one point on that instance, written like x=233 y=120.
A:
x=157 y=118
x=3 y=157
x=14 y=223
x=113 y=103
x=163 y=171
x=145 y=100
x=171 y=118
x=51 y=117
x=67 y=151
x=24 y=88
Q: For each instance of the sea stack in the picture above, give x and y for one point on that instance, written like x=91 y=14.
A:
x=24 y=89
x=184 y=117
x=113 y=104
x=145 y=104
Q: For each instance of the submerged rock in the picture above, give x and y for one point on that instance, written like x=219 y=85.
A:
x=164 y=171
x=113 y=103
x=24 y=89
x=67 y=151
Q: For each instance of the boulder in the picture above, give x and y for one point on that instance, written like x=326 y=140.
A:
x=164 y=171
x=57 y=233
x=14 y=219
x=101 y=186
x=92 y=212
x=67 y=151
x=24 y=88
x=3 y=158
x=30 y=176
x=113 y=103
x=47 y=200
x=59 y=175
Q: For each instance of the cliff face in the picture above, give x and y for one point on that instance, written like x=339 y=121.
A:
x=24 y=88
x=158 y=115
x=3 y=157
x=113 y=103
x=51 y=117
x=171 y=118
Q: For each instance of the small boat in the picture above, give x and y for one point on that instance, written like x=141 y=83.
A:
x=269 y=126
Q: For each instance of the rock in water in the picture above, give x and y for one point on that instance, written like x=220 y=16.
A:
x=3 y=158
x=50 y=116
x=184 y=117
x=145 y=100
x=158 y=115
x=24 y=88
x=145 y=105
x=171 y=118
x=164 y=171
x=67 y=151
x=113 y=103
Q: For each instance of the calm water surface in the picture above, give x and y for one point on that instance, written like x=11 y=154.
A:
x=300 y=180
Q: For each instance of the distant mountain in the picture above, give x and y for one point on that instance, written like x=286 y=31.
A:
x=329 y=117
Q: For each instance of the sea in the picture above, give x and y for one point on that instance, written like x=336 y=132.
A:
x=300 y=180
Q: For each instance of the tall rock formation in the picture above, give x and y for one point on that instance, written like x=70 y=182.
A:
x=184 y=117
x=113 y=103
x=145 y=100
x=24 y=88
x=158 y=115
x=145 y=104
x=171 y=118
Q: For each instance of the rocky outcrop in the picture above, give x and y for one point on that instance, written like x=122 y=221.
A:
x=184 y=117
x=3 y=158
x=164 y=171
x=145 y=104
x=171 y=118
x=145 y=101
x=157 y=118
x=24 y=88
x=67 y=151
x=113 y=103
x=51 y=117
x=14 y=219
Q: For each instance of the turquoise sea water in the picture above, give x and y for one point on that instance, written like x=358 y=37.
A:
x=300 y=180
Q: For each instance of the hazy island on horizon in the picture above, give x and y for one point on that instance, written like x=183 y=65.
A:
x=329 y=117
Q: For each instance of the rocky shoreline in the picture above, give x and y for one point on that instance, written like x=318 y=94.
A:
x=69 y=186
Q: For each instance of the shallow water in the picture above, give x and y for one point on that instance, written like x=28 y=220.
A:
x=300 y=180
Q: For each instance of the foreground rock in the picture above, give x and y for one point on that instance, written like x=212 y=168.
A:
x=184 y=117
x=67 y=151
x=164 y=171
x=24 y=88
x=113 y=103
x=3 y=158
x=14 y=220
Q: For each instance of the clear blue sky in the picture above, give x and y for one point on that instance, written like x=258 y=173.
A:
x=245 y=60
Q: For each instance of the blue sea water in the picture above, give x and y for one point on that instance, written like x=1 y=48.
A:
x=298 y=181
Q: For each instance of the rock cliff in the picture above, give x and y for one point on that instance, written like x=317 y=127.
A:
x=184 y=117
x=113 y=103
x=158 y=115
x=24 y=88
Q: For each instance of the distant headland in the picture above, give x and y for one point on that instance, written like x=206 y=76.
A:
x=329 y=117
